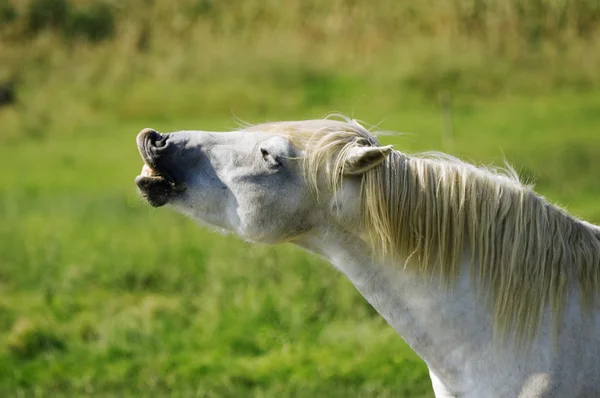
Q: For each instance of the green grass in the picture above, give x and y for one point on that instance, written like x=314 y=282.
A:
x=102 y=295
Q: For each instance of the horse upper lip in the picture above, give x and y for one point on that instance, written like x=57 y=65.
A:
x=145 y=150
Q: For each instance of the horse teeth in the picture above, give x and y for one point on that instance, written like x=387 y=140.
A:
x=147 y=171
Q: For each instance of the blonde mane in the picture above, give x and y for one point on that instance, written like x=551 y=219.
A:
x=426 y=210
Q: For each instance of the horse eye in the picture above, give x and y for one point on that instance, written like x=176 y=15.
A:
x=270 y=159
x=265 y=153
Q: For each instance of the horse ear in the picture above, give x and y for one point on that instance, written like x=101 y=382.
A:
x=363 y=158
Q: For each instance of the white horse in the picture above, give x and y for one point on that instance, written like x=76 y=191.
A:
x=494 y=287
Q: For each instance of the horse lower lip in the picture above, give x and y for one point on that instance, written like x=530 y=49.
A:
x=156 y=189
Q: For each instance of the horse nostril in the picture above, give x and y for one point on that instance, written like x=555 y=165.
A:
x=161 y=141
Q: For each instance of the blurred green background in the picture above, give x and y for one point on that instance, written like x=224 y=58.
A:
x=100 y=295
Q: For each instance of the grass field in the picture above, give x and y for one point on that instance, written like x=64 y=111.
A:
x=100 y=295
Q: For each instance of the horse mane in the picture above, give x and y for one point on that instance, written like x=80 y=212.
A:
x=425 y=210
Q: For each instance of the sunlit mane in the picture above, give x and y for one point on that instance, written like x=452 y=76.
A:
x=526 y=253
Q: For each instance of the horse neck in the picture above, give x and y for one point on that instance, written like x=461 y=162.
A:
x=444 y=326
